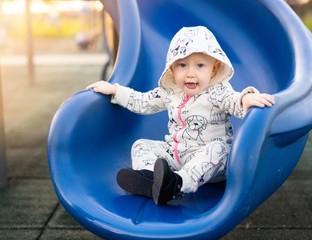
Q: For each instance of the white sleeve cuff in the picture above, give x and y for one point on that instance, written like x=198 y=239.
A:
x=246 y=91
x=122 y=95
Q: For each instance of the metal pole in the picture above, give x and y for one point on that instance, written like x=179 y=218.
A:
x=3 y=166
x=29 y=39
x=105 y=46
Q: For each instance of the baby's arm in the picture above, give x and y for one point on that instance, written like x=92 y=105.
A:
x=103 y=87
x=257 y=99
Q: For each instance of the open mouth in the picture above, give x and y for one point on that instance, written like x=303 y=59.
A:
x=191 y=85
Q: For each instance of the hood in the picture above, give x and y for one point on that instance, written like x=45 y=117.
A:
x=190 y=40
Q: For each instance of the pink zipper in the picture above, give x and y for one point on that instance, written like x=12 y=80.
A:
x=180 y=107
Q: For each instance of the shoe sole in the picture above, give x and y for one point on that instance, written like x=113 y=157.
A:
x=135 y=183
x=159 y=172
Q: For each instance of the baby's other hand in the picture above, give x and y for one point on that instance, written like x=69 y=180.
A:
x=103 y=87
x=257 y=99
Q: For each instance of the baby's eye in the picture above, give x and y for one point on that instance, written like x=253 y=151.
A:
x=182 y=65
x=200 y=65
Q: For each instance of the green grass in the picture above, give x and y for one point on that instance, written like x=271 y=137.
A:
x=308 y=21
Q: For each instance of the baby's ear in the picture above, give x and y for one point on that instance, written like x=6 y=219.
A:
x=216 y=66
x=170 y=71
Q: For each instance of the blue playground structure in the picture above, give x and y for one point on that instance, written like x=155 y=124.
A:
x=90 y=138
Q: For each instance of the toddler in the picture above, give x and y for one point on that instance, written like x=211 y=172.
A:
x=194 y=88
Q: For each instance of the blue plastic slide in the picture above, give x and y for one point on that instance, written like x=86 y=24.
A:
x=90 y=138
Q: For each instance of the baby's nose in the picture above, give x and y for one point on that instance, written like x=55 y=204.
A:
x=191 y=72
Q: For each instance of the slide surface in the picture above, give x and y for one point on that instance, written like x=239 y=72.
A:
x=90 y=138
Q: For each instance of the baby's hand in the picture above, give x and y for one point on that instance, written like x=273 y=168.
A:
x=103 y=87
x=257 y=99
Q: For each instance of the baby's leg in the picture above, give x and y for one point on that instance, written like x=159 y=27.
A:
x=145 y=152
x=139 y=179
x=207 y=165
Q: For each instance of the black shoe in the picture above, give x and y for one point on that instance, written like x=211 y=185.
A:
x=137 y=182
x=167 y=184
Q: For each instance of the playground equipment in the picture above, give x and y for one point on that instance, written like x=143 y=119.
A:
x=90 y=139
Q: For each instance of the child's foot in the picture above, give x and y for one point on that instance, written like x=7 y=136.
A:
x=167 y=184
x=137 y=182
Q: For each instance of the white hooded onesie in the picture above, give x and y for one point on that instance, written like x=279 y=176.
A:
x=200 y=131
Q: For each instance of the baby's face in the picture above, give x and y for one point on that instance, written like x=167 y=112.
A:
x=193 y=73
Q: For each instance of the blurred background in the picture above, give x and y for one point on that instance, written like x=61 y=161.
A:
x=304 y=9
x=48 y=27
x=68 y=20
